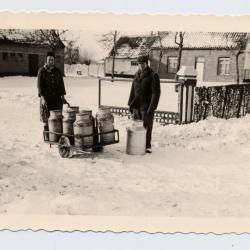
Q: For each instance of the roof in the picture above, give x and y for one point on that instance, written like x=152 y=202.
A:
x=133 y=46
x=203 y=40
x=30 y=37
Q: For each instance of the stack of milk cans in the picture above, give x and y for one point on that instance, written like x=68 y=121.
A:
x=81 y=127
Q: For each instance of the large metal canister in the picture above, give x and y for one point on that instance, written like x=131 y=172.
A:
x=89 y=113
x=74 y=108
x=95 y=129
x=83 y=126
x=69 y=117
x=55 y=124
x=136 y=139
x=105 y=121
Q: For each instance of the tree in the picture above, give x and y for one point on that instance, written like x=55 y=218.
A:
x=71 y=54
x=241 y=42
x=109 y=40
x=178 y=39
x=160 y=36
x=52 y=37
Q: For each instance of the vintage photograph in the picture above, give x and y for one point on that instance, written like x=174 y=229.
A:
x=118 y=123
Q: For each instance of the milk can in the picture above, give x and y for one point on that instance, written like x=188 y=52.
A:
x=95 y=129
x=55 y=124
x=89 y=113
x=69 y=117
x=83 y=126
x=136 y=139
x=105 y=121
x=74 y=108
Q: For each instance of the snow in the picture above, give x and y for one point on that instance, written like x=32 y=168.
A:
x=195 y=170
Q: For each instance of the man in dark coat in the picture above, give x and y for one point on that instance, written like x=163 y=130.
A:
x=51 y=88
x=144 y=97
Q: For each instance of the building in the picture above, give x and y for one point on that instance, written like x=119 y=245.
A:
x=23 y=53
x=213 y=54
x=127 y=51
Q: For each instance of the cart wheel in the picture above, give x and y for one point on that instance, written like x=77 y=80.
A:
x=64 y=147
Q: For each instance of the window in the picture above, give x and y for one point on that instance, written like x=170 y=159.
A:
x=12 y=55
x=172 y=64
x=224 y=66
x=5 y=56
x=134 y=63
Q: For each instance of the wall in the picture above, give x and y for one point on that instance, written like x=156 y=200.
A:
x=210 y=67
x=15 y=67
x=122 y=66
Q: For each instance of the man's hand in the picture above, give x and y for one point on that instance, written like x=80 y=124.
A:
x=43 y=101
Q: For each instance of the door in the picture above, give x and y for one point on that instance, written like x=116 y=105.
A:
x=199 y=66
x=33 y=64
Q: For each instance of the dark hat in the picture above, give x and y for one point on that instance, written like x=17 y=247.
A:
x=142 y=58
x=51 y=53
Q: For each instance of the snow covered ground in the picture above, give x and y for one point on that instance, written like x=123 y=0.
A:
x=200 y=169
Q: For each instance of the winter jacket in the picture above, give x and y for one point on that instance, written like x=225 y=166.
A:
x=145 y=91
x=50 y=85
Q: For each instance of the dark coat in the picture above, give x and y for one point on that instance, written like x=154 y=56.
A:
x=145 y=91
x=51 y=85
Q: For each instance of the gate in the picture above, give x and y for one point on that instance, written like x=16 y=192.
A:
x=163 y=117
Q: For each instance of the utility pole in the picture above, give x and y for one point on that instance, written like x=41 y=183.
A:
x=114 y=54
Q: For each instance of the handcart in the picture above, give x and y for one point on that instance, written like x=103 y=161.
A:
x=66 y=145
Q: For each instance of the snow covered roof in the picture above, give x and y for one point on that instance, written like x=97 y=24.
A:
x=20 y=36
x=133 y=46
x=203 y=40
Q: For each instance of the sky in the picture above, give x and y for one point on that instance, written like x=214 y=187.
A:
x=221 y=7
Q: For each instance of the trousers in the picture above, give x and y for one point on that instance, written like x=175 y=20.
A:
x=148 y=120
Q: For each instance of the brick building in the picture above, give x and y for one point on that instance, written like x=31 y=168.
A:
x=22 y=54
x=213 y=54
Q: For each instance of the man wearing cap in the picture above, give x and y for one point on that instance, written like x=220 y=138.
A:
x=51 y=88
x=144 y=96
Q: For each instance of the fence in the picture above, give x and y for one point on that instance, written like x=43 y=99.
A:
x=163 y=117
x=222 y=101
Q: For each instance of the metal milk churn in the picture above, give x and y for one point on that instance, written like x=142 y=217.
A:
x=69 y=117
x=136 y=139
x=74 y=108
x=105 y=121
x=83 y=126
x=89 y=113
x=55 y=124
x=95 y=129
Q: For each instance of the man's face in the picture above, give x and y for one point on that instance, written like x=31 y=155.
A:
x=50 y=61
x=143 y=65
